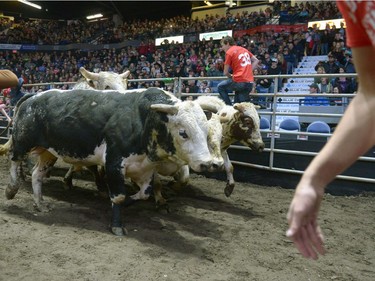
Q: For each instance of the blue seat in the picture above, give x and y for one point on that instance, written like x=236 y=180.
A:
x=318 y=127
x=264 y=123
x=290 y=125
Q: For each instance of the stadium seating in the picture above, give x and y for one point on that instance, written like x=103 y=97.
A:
x=289 y=125
x=318 y=127
x=264 y=123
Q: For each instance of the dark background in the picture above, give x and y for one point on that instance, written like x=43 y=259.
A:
x=152 y=10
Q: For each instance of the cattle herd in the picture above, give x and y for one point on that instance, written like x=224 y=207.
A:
x=118 y=133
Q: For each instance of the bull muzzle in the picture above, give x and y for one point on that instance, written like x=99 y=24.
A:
x=202 y=166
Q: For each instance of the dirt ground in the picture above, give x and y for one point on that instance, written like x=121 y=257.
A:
x=205 y=236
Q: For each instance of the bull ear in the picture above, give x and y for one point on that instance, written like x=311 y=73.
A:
x=166 y=108
x=125 y=74
x=224 y=119
x=89 y=75
x=238 y=107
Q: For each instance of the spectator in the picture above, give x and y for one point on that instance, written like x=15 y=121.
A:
x=331 y=66
x=315 y=101
x=3 y=104
x=242 y=62
x=275 y=69
x=344 y=84
x=320 y=70
x=348 y=62
x=325 y=86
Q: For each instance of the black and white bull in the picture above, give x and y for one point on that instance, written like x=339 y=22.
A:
x=242 y=126
x=103 y=80
x=127 y=134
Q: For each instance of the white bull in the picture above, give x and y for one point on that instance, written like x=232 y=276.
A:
x=243 y=126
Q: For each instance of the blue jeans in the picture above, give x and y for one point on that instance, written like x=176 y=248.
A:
x=241 y=89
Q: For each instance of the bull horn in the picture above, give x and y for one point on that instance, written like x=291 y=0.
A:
x=166 y=108
x=5 y=148
x=89 y=75
x=209 y=107
x=125 y=74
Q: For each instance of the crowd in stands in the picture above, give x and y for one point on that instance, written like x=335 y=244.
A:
x=279 y=53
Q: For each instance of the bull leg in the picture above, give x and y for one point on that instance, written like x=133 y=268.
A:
x=117 y=191
x=68 y=178
x=45 y=162
x=99 y=175
x=14 y=184
x=229 y=171
x=159 y=199
x=181 y=178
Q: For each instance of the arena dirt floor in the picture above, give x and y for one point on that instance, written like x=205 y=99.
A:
x=205 y=236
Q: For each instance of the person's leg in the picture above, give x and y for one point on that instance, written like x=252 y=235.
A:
x=242 y=91
x=7 y=79
x=224 y=88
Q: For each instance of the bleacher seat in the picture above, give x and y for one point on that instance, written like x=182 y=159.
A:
x=264 y=123
x=318 y=127
x=290 y=125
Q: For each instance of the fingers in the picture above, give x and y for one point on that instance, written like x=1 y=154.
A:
x=308 y=240
x=316 y=237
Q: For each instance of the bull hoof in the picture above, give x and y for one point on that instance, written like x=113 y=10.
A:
x=10 y=192
x=228 y=189
x=162 y=206
x=43 y=208
x=119 y=231
x=177 y=186
x=68 y=184
x=103 y=194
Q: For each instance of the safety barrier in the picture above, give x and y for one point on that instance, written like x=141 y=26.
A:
x=275 y=112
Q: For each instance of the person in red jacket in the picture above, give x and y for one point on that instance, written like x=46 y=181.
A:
x=241 y=62
x=350 y=137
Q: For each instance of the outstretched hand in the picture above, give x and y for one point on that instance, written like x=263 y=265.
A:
x=302 y=216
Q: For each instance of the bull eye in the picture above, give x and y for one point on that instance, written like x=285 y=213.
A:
x=182 y=133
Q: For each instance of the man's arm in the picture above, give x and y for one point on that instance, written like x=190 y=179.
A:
x=254 y=62
x=226 y=71
x=354 y=135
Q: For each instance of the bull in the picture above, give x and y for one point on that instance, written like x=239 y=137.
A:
x=128 y=134
x=242 y=126
x=104 y=80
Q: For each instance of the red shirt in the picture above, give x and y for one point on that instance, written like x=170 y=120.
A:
x=360 y=22
x=238 y=58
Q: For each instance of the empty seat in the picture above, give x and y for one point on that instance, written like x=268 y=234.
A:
x=290 y=125
x=318 y=127
x=264 y=123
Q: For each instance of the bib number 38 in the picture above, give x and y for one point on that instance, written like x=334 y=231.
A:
x=245 y=59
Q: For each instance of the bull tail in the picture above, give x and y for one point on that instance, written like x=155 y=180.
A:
x=5 y=148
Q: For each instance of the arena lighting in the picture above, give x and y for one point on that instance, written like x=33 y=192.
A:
x=30 y=4
x=94 y=16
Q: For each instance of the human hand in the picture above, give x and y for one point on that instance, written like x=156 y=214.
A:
x=304 y=230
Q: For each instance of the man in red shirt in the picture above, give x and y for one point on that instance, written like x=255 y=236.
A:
x=242 y=62
x=354 y=135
